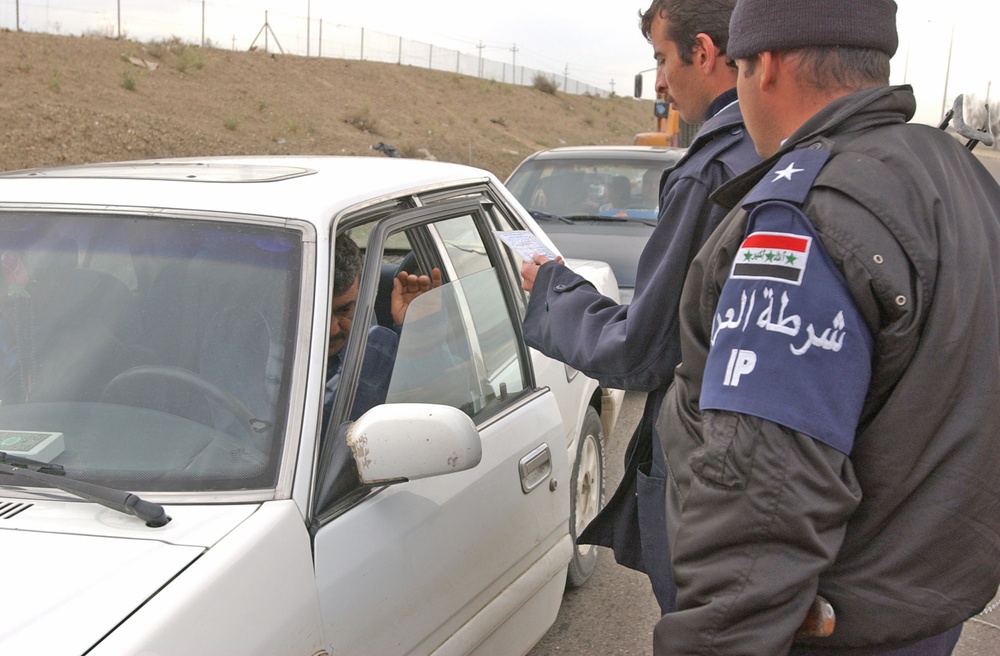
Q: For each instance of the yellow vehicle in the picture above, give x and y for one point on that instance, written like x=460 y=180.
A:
x=670 y=129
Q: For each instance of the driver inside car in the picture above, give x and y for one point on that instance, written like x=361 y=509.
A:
x=380 y=350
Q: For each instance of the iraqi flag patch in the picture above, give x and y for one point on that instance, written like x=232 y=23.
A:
x=775 y=256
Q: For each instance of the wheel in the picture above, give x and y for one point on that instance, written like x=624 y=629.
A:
x=125 y=389
x=586 y=495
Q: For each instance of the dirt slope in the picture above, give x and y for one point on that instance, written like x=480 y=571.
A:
x=87 y=99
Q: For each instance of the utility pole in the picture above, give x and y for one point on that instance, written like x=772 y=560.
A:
x=566 y=79
x=513 y=71
x=308 y=24
x=480 y=46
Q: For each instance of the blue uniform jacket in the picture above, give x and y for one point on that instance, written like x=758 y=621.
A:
x=637 y=346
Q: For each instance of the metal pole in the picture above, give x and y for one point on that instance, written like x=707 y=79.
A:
x=17 y=15
x=320 y=54
x=119 y=19
x=202 y=23
x=308 y=23
x=947 y=72
x=399 y=51
x=266 y=30
x=362 y=44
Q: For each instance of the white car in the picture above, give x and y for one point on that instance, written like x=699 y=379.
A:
x=167 y=482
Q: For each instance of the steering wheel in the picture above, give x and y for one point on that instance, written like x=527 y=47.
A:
x=122 y=388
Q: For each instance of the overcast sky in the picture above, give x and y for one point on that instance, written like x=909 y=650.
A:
x=595 y=41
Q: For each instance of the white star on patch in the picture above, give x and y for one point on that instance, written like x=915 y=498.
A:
x=786 y=173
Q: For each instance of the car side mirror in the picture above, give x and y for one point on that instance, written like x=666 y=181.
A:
x=398 y=442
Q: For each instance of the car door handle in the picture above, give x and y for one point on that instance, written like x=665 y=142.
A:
x=535 y=467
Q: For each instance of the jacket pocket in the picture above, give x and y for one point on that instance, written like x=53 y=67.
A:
x=726 y=457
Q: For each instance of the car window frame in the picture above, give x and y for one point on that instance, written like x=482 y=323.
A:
x=415 y=222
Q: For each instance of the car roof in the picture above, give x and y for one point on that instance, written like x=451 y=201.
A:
x=311 y=188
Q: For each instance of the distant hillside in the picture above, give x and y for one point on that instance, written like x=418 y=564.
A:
x=85 y=99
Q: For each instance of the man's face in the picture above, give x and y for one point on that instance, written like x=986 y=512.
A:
x=680 y=83
x=341 y=318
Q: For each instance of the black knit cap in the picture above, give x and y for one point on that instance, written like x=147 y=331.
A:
x=769 y=25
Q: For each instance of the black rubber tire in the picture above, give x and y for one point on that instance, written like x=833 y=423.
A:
x=586 y=495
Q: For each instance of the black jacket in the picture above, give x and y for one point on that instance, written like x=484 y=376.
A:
x=903 y=534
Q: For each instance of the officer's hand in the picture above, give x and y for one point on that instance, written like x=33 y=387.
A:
x=530 y=269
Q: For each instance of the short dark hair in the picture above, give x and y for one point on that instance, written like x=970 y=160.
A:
x=346 y=264
x=837 y=67
x=689 y=18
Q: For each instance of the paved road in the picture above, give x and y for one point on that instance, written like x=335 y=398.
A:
x=614 y=612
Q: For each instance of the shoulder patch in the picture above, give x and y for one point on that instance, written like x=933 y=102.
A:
x=788 y=343
x=791 y=178
x=779 y=256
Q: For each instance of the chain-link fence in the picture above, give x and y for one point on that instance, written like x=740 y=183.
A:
x=220 y=25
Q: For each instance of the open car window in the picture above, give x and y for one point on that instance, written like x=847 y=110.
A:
x=458 y=343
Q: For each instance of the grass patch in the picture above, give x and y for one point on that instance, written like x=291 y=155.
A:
x=363 y=121
x=231 y=123
x=545 y=84
x=128 y=82
x=189 y=57
x=55 y=82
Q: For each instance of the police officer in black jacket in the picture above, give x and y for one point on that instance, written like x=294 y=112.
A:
x=833 y=427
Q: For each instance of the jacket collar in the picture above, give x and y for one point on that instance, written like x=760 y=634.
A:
x=860 y=110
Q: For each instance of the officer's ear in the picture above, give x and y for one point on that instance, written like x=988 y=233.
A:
x=705 y=54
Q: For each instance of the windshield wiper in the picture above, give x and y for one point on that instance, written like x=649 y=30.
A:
x=29 y=463
x=125 y=502
x=611 y=219
x=536 y=214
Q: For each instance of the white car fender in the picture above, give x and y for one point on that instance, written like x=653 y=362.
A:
x=252 y=593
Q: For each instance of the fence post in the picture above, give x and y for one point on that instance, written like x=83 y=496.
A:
x=362 y=44
x=399 y=52
x=320 y=53
x=202 y=23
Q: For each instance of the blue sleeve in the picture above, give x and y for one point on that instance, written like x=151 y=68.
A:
x=635 y=346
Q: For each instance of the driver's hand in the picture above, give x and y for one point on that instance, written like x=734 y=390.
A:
x=408 y=286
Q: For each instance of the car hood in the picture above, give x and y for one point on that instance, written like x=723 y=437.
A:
x=74 y=571
x=618 y=244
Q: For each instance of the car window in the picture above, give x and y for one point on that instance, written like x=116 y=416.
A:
x=457 y=345
x=581 y=187
x=157 y=349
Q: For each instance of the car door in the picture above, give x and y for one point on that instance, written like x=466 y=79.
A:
x=469 y=560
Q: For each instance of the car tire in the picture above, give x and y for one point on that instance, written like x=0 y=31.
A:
x=586 y=495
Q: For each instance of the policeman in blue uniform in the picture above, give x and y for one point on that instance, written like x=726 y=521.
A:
x=636 y=346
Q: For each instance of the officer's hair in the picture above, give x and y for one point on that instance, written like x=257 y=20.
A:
x=346 y=264
x=687 y=19
x=826 y=68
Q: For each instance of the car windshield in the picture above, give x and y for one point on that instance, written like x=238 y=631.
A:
x=609 y=188
x=146 y=353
